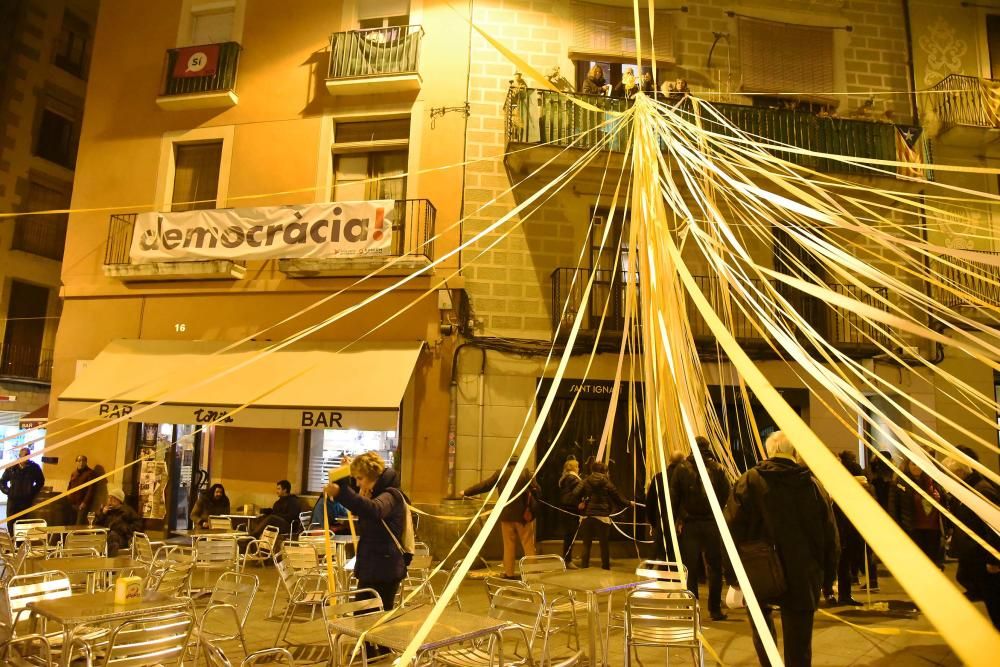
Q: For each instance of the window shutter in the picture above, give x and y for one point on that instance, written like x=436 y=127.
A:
x=601 y=31
x=374 y=9
x=779 y=58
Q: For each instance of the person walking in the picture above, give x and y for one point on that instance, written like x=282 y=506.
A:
x=381 y=508
x=852 y=547
x=570 y=516
x=779 y=501
x=656 y=511
x=81 y=499
x=918 y=518
x=699 y=533
x=599 y=499
x=121 y=521
x=517 y=519
x=212 y=502
x=21 y=483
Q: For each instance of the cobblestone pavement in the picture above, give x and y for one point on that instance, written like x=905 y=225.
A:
x=834 y=642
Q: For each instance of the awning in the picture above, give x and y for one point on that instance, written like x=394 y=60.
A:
x=310 y=385
x=34 y=419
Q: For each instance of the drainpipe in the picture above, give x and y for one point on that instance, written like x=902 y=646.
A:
x=912 y=80
x=482 y=413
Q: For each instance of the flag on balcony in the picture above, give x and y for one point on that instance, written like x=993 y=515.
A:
x=990 y=93
x=909 y=150
x=196 y=61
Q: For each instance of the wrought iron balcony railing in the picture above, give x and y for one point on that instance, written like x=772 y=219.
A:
x=224 y=78
x=375 y=52
x=978 y=279
x=544 y=116
x=26 y=361
x=966 y=100
x=412 y=232
x=845 y=329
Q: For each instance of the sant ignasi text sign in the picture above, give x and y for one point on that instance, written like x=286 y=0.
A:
x=316 y=231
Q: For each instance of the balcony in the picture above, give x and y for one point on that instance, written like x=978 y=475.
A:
x=968 y=110
x=118 y=263
x=412 y=243
x=42 y=235
x=31 y=363
x=200 y=77
x=844 y=329
x=547 y=117
x=375 y=61
x=978 y=279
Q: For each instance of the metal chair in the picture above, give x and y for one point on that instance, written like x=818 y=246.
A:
x=305 y=520
x=20 y=652
x=292 y=565
x=22 y=526
x=37 y=539
x=214 y=553
x=143 y=549
x=88 y=538
x=232 y=597
x=350 y=603
x=220 y=523
x=301 y=557
x=13 y=563
x=664 y=619
x=7 y=546
x=562 y=608
x=494 y=584
x=216 y=657
x=144 y=641
x=664 y=575
x=260 y=550
x=307 y=590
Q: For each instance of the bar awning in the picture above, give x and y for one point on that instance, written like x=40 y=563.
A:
x=34 y=419
x=306 y=385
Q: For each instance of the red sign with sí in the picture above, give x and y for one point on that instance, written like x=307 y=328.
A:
x=194 y=61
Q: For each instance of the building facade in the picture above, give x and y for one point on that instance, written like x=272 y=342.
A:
x=44 y=65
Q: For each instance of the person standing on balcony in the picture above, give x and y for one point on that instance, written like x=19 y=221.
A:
x=517 y=520
x=21 y=483
x=595 y=83
x=627 y=87
x=81 y=499
x=648 y=84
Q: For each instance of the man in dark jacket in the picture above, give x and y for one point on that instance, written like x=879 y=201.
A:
x=284 y=513
x=601 y=499
x=779 y=501
x=517 y=521
x=21 y=483
x=121 y=521
x=656 y=511
x=698 y=530
x=81 y=499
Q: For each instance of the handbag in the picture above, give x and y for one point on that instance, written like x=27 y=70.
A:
x=762 y=563
x=408 y=544
x=530 y=506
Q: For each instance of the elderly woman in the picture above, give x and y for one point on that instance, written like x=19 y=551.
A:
x=380 y=507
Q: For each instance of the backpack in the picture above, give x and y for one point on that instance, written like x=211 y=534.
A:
x=406 y=543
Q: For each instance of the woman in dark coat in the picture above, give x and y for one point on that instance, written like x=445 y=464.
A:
x=380 y=507
x=600 y=499
x=120 y=520
x=210 y=503
x=569 y=484
x=595 y=84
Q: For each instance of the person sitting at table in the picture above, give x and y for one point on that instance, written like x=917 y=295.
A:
x=283 y=514
x=210 y=503
x=120 y=520
x=334 y=511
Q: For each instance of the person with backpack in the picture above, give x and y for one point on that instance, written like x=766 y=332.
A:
x=570 y=516
x=517 y=518
x=699 y=533
x=385 y=528
x=598 y=499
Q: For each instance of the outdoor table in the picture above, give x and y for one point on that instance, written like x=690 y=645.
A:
x=593 y=583
x=452 y=627
x=90 y=565
x=62 y=530
x=94 y=608
x=244 y=519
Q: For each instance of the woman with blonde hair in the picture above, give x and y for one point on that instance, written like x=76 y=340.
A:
x=595 y=84
x=569 y=484
x=380 y=506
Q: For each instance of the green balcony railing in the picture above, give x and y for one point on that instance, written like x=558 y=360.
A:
x=375 y=52
x=543 y=116
x=223 y=79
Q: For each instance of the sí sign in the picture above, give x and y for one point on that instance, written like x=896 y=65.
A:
x=316 y=231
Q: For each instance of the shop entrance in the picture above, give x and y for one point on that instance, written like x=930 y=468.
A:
x=173 y=470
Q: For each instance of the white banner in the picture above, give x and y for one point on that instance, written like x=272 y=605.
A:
x=317 y=231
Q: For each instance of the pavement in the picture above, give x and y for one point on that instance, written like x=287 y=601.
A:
x=875 y=638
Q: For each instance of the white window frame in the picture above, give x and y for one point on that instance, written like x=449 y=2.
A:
x=328 y=147
x=167 y=166
x=189 y=8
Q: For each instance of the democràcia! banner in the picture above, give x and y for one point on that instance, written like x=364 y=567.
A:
x=315 y=231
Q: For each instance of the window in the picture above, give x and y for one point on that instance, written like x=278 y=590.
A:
x=370 y=160
x=57 y=139
x=196 y=175
x=326 y=450
x=383 y=14
x=779 y=58
x=601 y=32
x=72 y=45
x=993 y=43
x=22 y=341
x=212 y=27
x=43 y=235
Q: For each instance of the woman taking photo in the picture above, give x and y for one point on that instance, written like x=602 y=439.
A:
x=380 y=507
